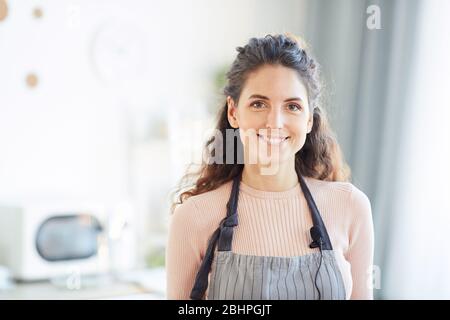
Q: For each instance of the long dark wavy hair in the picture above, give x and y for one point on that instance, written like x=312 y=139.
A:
x=319 y=158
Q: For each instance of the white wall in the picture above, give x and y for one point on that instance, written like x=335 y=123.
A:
x=419 y=260
x=115 y=78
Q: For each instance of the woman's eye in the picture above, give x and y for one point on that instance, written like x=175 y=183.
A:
x=258 y=105
x=294 y=107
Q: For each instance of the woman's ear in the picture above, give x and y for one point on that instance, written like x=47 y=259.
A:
x=310 y=122
x=231 y=113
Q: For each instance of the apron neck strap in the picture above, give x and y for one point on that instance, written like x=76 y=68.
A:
x=231 y=220
x=318 y=224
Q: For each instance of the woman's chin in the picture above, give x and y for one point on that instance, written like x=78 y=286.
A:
x=267 y=160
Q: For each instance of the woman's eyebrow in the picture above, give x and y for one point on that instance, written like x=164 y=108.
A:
x=293 y=99
x=259 y=96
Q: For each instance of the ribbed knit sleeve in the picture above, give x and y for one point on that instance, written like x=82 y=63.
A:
x=185 y=250
x=361 y=245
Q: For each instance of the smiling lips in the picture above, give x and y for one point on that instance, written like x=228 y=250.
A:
x=272 y=140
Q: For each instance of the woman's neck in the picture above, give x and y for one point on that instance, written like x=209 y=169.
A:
x=285 y=177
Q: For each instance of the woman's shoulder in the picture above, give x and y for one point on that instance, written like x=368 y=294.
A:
x=211 y=199
x=344 y=187
x=205 y=209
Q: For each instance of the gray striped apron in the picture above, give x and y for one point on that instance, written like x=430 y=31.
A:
x=247 y=277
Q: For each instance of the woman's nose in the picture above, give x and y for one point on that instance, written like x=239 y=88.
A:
x=275 y=118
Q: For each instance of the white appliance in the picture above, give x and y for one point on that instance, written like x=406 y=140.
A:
x=44 y=241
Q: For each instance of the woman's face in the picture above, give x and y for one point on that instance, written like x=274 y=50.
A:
x=272 y=114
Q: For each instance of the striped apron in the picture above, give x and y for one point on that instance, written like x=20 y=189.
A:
x=238 y=276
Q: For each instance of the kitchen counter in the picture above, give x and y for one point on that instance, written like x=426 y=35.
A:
x=148 y=284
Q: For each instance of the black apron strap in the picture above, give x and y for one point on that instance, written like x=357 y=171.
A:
x=231 y=220
x=315 y=215
x=201 y=280
x=223 y=235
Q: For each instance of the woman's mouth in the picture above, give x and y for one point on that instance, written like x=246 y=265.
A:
x=272 y=140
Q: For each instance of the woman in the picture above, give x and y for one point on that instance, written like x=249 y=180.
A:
x=278 y=220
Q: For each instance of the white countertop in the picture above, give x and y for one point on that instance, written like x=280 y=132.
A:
x=148 y=284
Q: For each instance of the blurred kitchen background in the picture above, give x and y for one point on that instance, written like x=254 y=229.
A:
x=103 y=104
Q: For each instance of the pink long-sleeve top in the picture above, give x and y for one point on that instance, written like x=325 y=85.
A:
x=274 y=224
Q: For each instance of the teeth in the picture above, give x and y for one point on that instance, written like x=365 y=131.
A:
x=272 y=140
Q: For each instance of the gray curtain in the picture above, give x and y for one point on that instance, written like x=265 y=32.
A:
x=367 y=75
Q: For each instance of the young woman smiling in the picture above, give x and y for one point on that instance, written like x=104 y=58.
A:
x=300 y=230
